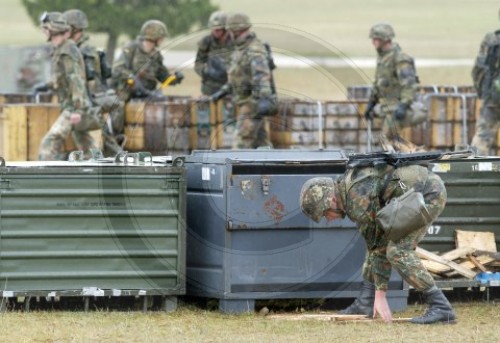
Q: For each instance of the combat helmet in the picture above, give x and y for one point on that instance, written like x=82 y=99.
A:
x=382 y=31
x=153 y=30
x=316 y=197
x=76 y=18
x=217 y=20
x=54 y=22
x=238 y=22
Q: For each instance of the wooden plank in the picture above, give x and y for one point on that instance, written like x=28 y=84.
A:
x=39 y=123
x=439 y=268
x=461 y=252
x=15 y=144
x=483 y=259
x=476 y=262
x=332 y=317
x=476 y=239
x=436 y=258
x=435 y=267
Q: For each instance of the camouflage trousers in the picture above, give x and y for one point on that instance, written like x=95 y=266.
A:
x=52 y=146
x=251 y=131
x=486 y=129
x=401 y=255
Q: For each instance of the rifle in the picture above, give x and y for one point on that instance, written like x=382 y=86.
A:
x=398 y=159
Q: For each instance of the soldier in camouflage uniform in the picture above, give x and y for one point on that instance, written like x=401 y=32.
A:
x=68 y=80
x=213 y=56
x=486 y=77
x=96 y=73
x=360 y=194
x=139 y=69
x=249 y=82
x=395 y=85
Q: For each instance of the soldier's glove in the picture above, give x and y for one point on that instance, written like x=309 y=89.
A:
x=266 y=107
x=218 y=95
x=369 y=114
x=136 y=87
x=41 y=87
x=400 y=112
x=215 y=70
x=179 y=76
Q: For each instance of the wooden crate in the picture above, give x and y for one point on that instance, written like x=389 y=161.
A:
x=23 y=127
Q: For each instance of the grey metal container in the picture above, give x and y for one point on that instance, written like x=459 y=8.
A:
x=92 y=229
x=247 y=238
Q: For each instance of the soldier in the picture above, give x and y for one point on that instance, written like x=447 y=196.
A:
x=360 y=193
x=250 y=83
x=394 y=88
x=68 y=80
x=486 y=77
x=97 y=72
x=213 y=56
x=138 y=70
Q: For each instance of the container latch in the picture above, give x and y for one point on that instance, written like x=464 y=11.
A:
x=266 y=182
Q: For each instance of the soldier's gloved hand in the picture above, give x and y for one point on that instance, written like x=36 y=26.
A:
x=218 y=95
x=41 y=87
x=265 y=107
x=400 y=112
x=179 y=76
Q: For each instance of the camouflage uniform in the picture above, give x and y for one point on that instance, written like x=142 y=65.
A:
x=213 y=56
x=211 y=48
x=95 y=86
x=483 y=75
x=395 y=82
x=68 y=80
x=249 y=81
x=362 y=192
x=136 y=73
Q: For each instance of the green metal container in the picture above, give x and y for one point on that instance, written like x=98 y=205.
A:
x=473 y=188
x=92 y=229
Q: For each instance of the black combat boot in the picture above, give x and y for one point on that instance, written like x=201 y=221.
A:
x=439 y=310
x=364 y=302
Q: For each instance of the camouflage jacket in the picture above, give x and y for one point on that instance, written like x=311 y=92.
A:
x=147 y=69
x=395 y=77
x=364 y=191
x=210 y=48
x=484 y=71
x=92 y=65
x=68 y=78
x=249 y=74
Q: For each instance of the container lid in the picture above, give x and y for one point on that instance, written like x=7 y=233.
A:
x=267 y=155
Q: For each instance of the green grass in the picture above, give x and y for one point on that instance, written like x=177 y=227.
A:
x=477 y=322
x=425 y=28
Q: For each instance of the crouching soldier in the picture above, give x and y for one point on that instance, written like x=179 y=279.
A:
x=360 y=194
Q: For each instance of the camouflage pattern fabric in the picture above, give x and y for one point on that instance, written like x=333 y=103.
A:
x=91 y=58
x=209 y=47
x=363 y=192
x=249 y=79
x=148 y=70
x=68 y=80
x=489 y=117
x=96 y=86
x=395 y=82
x=486 y=129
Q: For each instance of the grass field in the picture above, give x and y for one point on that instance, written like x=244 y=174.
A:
x=425 y=28
x=477 y=322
